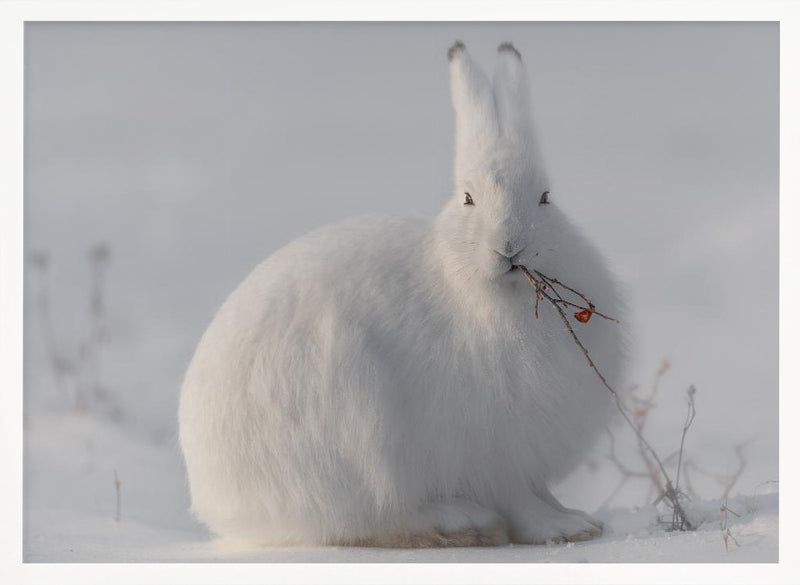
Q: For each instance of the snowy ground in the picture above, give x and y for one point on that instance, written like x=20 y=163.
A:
x=71 y=508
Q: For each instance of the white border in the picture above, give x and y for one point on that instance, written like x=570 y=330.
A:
x=12 y=17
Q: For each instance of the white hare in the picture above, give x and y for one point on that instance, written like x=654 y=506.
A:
x=385 y=381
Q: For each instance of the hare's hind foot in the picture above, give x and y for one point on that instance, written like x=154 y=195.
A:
x=456 y=523
x=541 y=522
x=487 y=536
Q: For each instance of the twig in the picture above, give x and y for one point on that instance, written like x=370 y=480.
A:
x=91 y=349
x=677 y=520
x=554 y=281
x=77 y=377
x=63 y=367
x=727 y=481
x=640 y=412
x=644 y=405
x=689 y=419
x=621 y=467
x=626 y=472
x=117 y=486
x=723 y=524
x=669 y=491
x=738 y=473
x=541 y=293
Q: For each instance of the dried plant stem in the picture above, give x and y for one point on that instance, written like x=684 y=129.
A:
x=727 y=537
x=92 y=347
x=727 y=481
x=76 y=372
x=626 y=472
x=738 y=473
x=61 y=366
x=541 y=293
x=640 y=409
x=541 y=285
x=555 y=281
x=689 y=419
x=117 y=486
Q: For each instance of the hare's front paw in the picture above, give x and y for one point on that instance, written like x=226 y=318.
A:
x=540 y=523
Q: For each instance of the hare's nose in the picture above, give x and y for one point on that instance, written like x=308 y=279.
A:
x=509 y=250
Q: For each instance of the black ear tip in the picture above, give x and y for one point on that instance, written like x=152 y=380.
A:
x=507 y=47
x=454 y=50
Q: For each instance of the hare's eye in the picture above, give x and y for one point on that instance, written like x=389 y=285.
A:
x=544 y=199
x=468 y=199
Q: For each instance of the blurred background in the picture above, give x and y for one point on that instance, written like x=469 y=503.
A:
x=163 y=161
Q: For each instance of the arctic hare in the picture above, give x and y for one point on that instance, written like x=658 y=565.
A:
x=385 y=381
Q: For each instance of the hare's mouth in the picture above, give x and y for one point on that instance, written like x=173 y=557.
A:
x=510 y=274
x=512 y=259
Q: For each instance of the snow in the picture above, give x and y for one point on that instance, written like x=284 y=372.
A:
x=70 y=514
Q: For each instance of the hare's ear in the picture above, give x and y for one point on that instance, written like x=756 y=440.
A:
x=512 y=95
x=473 y=100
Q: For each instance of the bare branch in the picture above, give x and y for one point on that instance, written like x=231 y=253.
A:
x=541 y=293
x=626 y=472
x=727 y=537
x=731 y=481
x=61 y=366
x=75 y=372
x=117 y=486
x=541 y=287
x=554 y=281
x=689 y=419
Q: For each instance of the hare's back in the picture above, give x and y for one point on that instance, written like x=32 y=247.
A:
x=351 y=258
x=347 y=272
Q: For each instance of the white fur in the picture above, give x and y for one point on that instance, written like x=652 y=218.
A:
x=384 y=381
